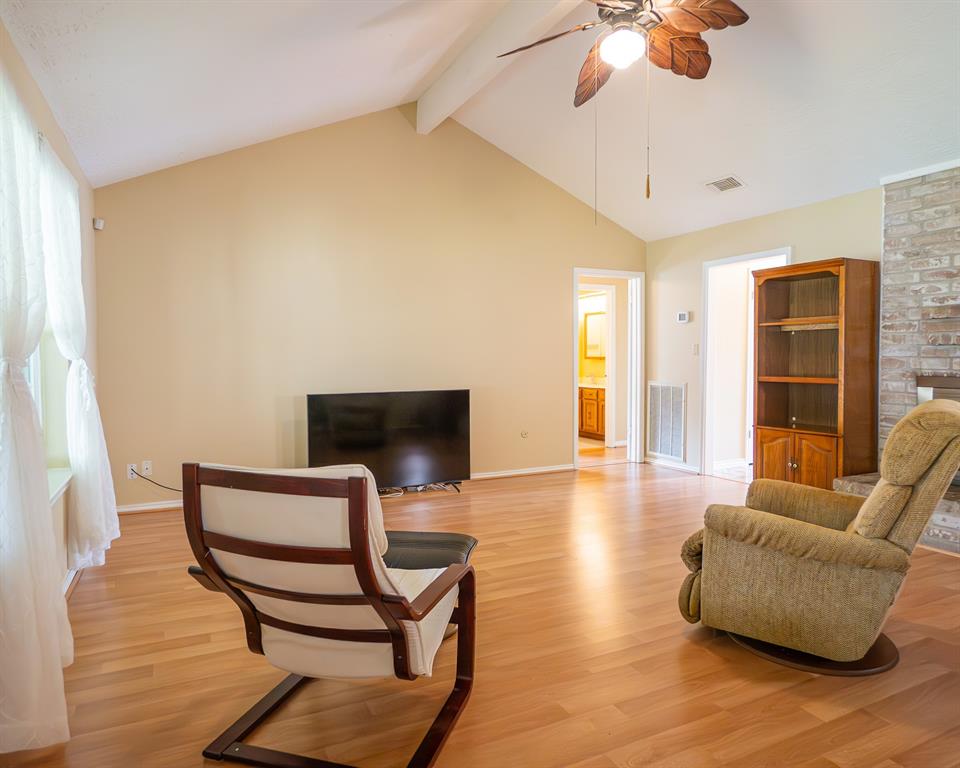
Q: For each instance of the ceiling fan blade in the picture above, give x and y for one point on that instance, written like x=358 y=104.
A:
x=593 y=75
x=578 y=28
x=683 y=53
x=694 y=16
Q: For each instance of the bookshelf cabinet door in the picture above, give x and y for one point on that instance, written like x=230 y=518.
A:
x=774 y=454
x=816 y=459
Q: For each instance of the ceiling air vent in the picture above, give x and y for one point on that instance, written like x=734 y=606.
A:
x=726 y=184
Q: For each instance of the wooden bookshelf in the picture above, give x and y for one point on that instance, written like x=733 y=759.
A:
x=815 y=348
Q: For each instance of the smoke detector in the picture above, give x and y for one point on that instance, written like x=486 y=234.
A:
x=726 y=184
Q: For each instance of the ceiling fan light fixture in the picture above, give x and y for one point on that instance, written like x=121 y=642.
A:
x=623 y=46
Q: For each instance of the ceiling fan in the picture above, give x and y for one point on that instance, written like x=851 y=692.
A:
x=667 y=30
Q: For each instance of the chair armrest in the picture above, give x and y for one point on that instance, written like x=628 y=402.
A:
x=205 y=581
x=425 y=602
x=830 y=509
x=804 y=540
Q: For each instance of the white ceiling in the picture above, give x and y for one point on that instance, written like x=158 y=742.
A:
x=809 y=100
x=142 y=85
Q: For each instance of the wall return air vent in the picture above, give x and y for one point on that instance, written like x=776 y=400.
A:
x=726 y=184
x=666 y=414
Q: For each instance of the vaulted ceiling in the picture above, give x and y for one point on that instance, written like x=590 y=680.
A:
x=809 y=100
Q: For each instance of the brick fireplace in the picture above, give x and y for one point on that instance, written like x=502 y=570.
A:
x=920 y=289
x=919 y=315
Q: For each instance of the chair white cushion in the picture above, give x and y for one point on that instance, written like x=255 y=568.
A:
x=247 y=509
x=320 y=657
x=320 y=522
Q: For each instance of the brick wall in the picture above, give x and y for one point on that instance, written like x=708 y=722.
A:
x=920 y=288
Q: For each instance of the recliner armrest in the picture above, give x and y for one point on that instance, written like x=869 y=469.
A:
x=804 y=540
x=830 y=509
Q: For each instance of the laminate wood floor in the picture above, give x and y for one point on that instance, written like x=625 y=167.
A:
x=593 y=453
x=583 y=660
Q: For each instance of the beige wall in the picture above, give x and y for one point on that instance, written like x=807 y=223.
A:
x=53 y=365
x=848 y=226
x=622 y=297
x=357 y=256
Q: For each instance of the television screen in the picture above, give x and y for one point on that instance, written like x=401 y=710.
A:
x=405 y=438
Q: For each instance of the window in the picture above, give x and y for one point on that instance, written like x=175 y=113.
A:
x=34 y=381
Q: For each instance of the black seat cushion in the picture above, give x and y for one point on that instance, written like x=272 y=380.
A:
x=417 y=550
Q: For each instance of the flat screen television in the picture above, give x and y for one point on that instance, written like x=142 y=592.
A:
x=405 y=438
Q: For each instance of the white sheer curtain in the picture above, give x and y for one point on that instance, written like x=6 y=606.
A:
x=92 y=512
x=35 y=638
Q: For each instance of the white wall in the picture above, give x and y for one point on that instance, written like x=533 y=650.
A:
x=727 y=366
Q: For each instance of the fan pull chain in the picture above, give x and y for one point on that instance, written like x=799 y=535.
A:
x=596 y=141
x=648 y=127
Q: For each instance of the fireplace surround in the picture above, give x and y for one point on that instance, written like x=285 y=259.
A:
x=939 y=387
x=919 y=344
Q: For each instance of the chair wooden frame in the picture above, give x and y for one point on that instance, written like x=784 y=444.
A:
x=392 y=609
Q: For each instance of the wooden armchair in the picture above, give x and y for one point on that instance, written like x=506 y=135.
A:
x=301 y=554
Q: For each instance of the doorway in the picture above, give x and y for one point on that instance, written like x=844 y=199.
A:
x=728 y=356
x=608 y=367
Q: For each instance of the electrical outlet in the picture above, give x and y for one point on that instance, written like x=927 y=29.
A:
x=147 y=467
x=131 y=471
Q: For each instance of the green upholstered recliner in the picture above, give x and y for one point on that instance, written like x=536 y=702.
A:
x=814 y=570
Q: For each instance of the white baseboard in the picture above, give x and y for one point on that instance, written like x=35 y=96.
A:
x=620 y=444
x=730 y=464
x=677 y=465
x=68 y=579
x=150 y=506
x=518 y=472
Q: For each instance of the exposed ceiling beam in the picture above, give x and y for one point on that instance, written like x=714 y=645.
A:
x=518 y=23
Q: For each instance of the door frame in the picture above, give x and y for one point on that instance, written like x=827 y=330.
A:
x=706 y=421
x=635 y=362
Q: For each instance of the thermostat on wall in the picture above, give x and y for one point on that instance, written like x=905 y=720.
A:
x=683 y=317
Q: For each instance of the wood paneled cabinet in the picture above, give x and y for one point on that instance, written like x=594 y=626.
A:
x=593 y=416
x=815 y=354
x=796 y=457
x=774 y=454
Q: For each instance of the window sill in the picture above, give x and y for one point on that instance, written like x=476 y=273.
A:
x=58 y=478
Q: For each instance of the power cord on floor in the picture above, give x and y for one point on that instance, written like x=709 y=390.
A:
x=176 y=490
x=443 y=487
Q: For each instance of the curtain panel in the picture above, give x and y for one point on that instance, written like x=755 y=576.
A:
x=91 y=504
x=35 y=637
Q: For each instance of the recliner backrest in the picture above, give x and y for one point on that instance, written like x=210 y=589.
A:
x=920 y=458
